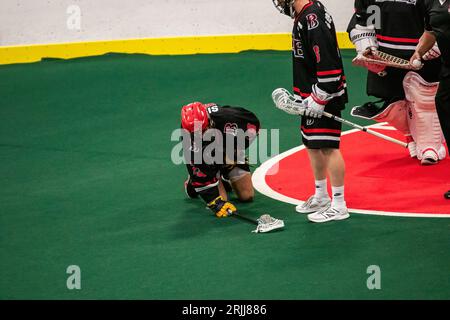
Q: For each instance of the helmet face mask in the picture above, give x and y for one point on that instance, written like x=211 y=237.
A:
x=285 y=6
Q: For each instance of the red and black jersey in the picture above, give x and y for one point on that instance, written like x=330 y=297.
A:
x=233 y=124
x=399 y=26
x=317 y=60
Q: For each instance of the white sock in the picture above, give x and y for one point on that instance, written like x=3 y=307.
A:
x=321 y=189
x=338 y=197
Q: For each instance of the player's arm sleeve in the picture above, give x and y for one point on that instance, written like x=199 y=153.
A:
x=425 y=8
x=361 y=15
x=330 y=73
x=352 y=24
x=204 y=180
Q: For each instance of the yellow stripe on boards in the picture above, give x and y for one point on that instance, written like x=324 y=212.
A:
x=155 y=46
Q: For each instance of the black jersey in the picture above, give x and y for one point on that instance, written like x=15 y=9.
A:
x=399 y=27
x=438 y=21
x=233 y=123
x=317 y=62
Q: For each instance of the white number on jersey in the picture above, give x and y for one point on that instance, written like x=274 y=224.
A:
x=213 y=109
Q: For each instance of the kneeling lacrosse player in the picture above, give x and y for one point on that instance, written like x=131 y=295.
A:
x=215 y=154
x=319 y=84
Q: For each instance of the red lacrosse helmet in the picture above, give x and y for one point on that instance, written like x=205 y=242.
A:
x=192 y=113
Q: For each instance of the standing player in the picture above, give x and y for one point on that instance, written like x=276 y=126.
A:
x=319 y=82
x=212 y=177
x=395 y=27
x=437 y=13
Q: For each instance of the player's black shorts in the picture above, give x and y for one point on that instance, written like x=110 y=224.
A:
x=322 y=133
x=226 y=169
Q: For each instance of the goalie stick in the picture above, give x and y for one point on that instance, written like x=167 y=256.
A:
x=384 y=59
x=285 y=101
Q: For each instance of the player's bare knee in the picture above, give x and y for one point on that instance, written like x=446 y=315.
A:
x=244 y=189
x=246 y=196
x=329 y=151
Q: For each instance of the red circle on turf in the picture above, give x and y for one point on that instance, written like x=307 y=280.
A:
x=380 y=177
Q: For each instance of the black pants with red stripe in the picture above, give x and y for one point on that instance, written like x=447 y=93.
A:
x=443 y=107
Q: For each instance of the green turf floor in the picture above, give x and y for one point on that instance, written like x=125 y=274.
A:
x=86 y=179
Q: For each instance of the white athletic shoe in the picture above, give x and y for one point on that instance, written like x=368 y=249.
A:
x=313 y=205
x=429 y=157
x=329 y=214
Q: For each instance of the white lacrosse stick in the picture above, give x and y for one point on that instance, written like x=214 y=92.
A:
x=285 y=101
x=264 y=224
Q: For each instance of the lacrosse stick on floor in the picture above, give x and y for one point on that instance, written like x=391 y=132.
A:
x=285 y=101
x=264 y=224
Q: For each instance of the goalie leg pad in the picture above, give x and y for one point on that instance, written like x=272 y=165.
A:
x=422 y=116
x=396 y=115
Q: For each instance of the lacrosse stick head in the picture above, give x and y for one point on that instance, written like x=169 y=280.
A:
x=375 y=59
x=266 y=223
x=283 y=100
x=280 y=96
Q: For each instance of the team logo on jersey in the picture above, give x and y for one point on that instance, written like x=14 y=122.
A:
x=297 y=48
x=312 y=20
x=196 y=172
x=231 y=128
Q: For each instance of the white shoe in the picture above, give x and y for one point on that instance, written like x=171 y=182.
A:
x=329 y=214
x=313 y=205
x=429 y=157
